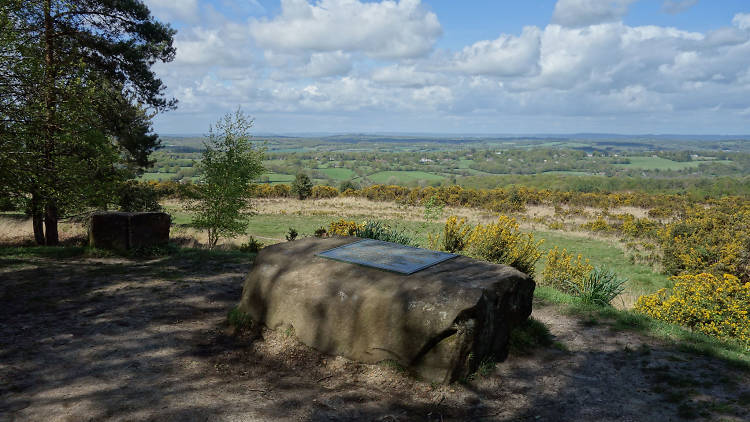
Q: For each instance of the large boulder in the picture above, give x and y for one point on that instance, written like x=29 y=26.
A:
x=441 y=322
x=128 y=230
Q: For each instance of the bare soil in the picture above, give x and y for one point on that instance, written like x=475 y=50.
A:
x=113 y=339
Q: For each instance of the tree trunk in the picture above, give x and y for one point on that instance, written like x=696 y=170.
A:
x=38 y=219
x=50 y=224
x=50 y=217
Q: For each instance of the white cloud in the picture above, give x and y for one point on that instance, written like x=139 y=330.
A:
x=674 y=7
x=589 y=12
x=504 y=56
x=327 y=64
x=407 y=76
x=742 y=21
x=387 y=29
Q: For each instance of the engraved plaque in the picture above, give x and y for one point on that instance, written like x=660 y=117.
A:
x=387 y=256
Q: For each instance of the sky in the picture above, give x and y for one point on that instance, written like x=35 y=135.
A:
x=460 y=67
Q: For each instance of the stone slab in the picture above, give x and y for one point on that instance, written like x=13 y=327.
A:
x=387 y=256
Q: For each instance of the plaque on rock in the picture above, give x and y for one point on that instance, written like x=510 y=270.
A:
x=387 y=256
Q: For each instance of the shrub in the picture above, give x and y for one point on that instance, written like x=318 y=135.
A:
x=381 y=231
x=342 y=228
x=321 y=232
x=503 y=243
x=251 y=246
x=302 y=186
x=713 y=239
x=239 y=319
x=433 y=208
x=562 y=270
x=455 y=236
x=599 y=286
x=717 y=306
x=291 y=234
x=598 y=225
x=347 y=185
x=133 y=196
x=282 y=191
x=323 y=191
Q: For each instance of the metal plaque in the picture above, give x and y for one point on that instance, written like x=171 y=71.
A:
x=387 y=256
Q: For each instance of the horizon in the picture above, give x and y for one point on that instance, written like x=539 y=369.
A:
x=737 y=136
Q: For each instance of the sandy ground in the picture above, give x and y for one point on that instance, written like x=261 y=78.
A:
x=113 y=339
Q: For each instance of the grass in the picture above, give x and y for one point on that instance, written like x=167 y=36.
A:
x=279 y=178
x=403 y=177
x=529 y=336
x=627 y=320
x=642 y=279
x=276 y=226
x=654 y=163
x=239 y=319
x=338 y=173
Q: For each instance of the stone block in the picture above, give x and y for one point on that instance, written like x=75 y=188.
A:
x=440 y=322
x=128 y=230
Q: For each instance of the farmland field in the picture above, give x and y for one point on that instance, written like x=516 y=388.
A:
x=404 y=176
x=654 y=163
x=338 y=173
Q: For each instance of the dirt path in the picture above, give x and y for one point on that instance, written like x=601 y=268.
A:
x=110 y=339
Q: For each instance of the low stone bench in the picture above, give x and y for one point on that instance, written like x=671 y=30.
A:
x=441 y=322
x=128 y=230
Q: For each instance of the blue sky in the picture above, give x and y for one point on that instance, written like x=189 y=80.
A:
x=444 y=66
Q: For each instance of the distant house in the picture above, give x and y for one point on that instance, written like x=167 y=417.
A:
x=425 y=160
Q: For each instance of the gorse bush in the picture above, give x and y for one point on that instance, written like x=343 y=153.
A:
x=455 y=236
x=323 y=191
x=598 y=225
x=598 y=287
x=714 y=239
x=502 y=242
x=563 y=270
x=342 y=228
x=717 y=306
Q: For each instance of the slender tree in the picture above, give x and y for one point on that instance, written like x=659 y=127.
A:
x=230 y=163
x=78 y=92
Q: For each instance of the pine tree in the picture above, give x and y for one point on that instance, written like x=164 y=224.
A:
x=77 y=96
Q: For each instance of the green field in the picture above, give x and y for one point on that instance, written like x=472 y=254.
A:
x=338 y=173
x=278 y=178
x=654 y=163
x=403 y=177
